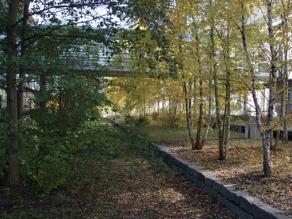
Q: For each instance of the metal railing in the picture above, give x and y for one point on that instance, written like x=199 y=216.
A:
x=81 y=61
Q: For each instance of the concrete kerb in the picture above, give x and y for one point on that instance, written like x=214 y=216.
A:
x=241 y=204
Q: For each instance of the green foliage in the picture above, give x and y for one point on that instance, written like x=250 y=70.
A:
x=137 y=122
x=142 y=121
x=48 y=159
x=56 y=134
x=62 y=127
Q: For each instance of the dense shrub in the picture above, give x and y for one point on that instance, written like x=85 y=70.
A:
x=48 y=159
x=54 y=134
x=172 y=120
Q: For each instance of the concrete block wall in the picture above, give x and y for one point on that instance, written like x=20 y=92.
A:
x=241 y=204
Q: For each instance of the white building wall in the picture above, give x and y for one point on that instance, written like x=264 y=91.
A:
x=263 y=101
x=238 y=103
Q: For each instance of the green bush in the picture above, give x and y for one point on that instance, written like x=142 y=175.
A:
x=53 y=137
x=172 y=120
x=129 y=120
x=45 y=159
x=143 y=121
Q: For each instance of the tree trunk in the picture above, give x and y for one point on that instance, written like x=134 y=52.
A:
x=226 y=125
x=272 y=87
x=227 y=61
x=209 y=117
x=264 y=134
x=216 y=93
x=286 y=98
x=13 y=136
x=190 y=105
x=185 y=90
x=198 y=144
x=274 y=146
x=266 y=153
x=285 y=71
x=23 y=51
x=144 y=108
x=158 y=108
x=245 y=102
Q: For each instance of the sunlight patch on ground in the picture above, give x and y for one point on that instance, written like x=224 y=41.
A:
x=170 y=195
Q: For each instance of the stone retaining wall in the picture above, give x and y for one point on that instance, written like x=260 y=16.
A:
x=239 y=203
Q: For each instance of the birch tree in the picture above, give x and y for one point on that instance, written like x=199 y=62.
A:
x=264 y=129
